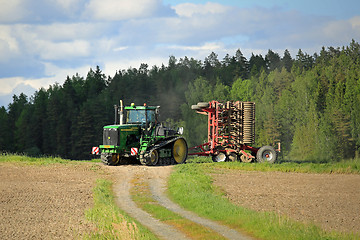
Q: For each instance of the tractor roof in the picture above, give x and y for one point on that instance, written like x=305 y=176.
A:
x=133 y=107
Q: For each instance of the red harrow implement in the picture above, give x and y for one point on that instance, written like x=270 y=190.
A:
x=231 y=132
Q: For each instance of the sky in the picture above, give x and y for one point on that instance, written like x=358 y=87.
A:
x=44 y=41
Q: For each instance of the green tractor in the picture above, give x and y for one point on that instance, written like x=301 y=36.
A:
x=142 y=138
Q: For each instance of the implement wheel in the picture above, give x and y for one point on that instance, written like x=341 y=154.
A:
x=220 y=157
x=195 y=107
x=179 y=150
x=203 y=104
x=266 y=154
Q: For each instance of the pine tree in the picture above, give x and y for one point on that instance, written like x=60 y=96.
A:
x=287 y=60
x=4 y=130
x=273 y=61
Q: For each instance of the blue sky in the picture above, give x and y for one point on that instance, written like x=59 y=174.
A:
x=43 y=41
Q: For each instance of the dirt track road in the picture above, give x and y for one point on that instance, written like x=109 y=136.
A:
x=157 y=178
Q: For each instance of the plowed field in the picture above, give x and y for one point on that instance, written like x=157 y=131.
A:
x=49 y=202
x=45 y=202
x=331 y=201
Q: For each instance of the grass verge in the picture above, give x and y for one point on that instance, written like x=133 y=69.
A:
x=143 y=198
x=23 y=159
x=192 y=188
x=344 y=167
x=45 y=160
x=110 y=222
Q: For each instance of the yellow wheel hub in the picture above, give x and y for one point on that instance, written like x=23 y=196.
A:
x=180 y=150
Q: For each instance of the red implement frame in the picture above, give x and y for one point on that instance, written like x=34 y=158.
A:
x=218 y=142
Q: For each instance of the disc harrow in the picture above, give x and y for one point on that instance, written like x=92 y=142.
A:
x=231 y=132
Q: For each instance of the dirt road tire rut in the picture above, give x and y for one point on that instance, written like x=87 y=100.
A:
x=157 y=177
x=123 y=175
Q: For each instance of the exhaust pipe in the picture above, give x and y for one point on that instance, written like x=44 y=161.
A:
x=116 y=108
x=121 y=113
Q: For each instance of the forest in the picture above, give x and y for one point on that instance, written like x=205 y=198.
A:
x=309 y=103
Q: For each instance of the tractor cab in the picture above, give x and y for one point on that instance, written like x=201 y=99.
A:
x=142 y=115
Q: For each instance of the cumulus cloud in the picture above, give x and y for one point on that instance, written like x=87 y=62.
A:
x=66 y=31
x=117 y=10
x=207 y=47
x=342 y=30
x=43 y=41
x=62 y=50
x=190 y=9
x=12 y=11
x=8 y=84
x=52 y=74
x=8 y=44
x=69 y=5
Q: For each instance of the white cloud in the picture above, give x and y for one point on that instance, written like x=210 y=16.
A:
x=52 y=72
x=68 y=4
x=117 y=49
x=11 y=11
x=115 y=10
x=8 y=84
x=110 y=67
x=62 y=50
x=8 y=44
x=190 y=9
x=208 y=47
x=65 y=31
x=355 y=23
x=59 y=74
x=117 y=34
x=51 y=42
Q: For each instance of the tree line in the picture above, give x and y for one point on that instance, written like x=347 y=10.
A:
x=309 y=103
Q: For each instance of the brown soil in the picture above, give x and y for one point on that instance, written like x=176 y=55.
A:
x=49 y=202
x=45 y=202
x=331 y=201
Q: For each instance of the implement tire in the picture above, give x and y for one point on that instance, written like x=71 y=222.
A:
x=266 y=154
x=203 y=104
x=195 y=107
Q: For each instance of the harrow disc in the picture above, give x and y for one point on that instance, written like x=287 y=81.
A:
x=245 y=159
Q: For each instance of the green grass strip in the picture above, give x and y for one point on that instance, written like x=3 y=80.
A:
x=23 y=159
x=37 y=161
x=190 y=187
x=143 y=198
x=109 y=220
x=344 y=167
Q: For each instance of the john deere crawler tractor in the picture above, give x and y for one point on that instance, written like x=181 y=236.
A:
x=141 y=138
